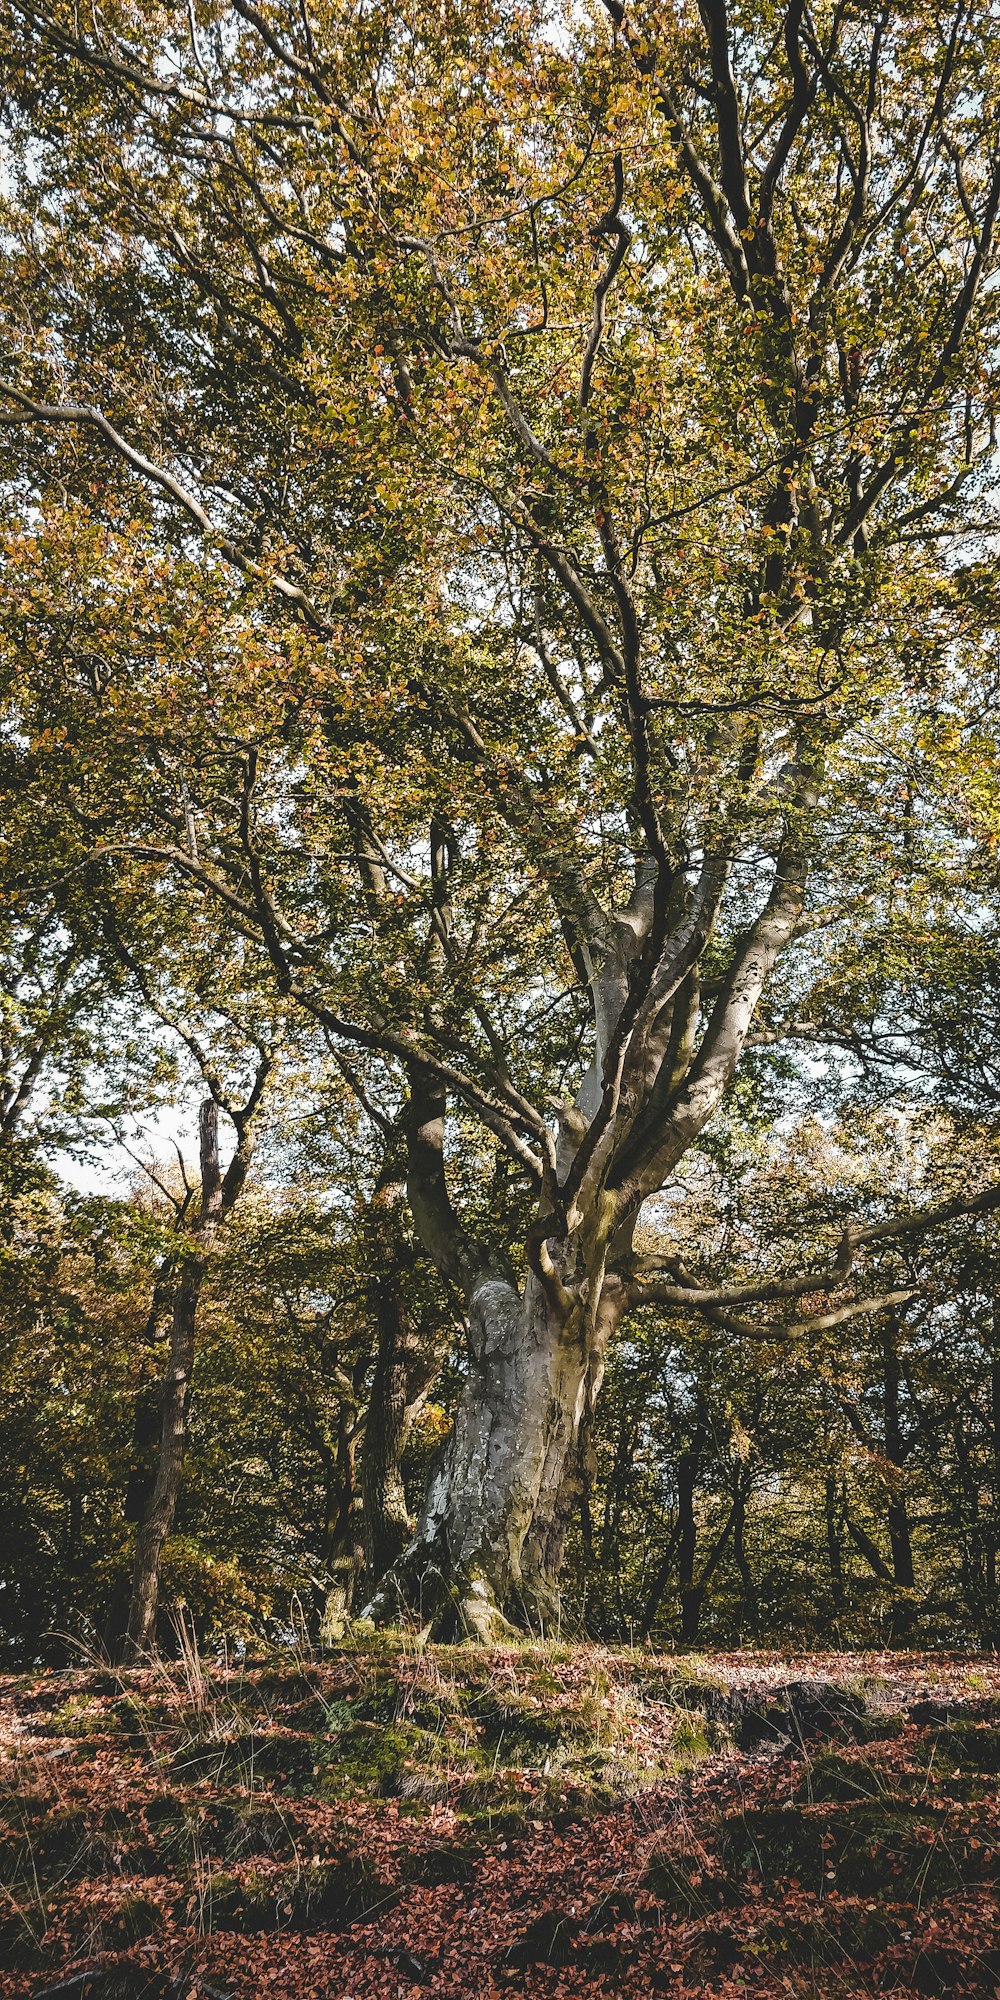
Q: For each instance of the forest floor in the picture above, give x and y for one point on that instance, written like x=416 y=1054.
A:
x=549 y=1820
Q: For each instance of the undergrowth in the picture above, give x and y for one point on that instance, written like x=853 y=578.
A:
x=536 y=1819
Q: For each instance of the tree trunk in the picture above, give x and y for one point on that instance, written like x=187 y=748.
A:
x=140 y=1638
x=993 y=1531
x=835 y=1553
x=661 y=1577
x=687 y=1542
x=490 y=1541
x=614 y=1501
x=750 y=1604
x=344 y=1552
x=385 y=1515
x=896 y=1451
x=154 y=1529
x=147 y=1422
x=502 y=1492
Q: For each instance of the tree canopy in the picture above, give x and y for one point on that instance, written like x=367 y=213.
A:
x=500 y=605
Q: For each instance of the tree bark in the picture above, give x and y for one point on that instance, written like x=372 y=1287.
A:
x=993 y=1531
x=688 y=1465
x=750 y=1603
x=835 y=1553
x=489 y=1545
x=499 y=1499
x=897 y=1452
x=153 y=1531
x=218 y=1196
x=385 y=1515
x=344 y=1551
x=661 y=1577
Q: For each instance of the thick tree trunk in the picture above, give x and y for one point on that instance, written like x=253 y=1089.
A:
x=491 y=1536
x=501 y=1495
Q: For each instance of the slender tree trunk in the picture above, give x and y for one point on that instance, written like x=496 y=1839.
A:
x=835 y=1554
x=869 y=1549
x=693 y=1600
x=385 y=1515
x=140 y=1636
x=993 y=1532
x=156 y=1526
x=591 y=1594
x=407 y=1361
x=897 y=1517
x=344 y=1552
x=750 y=1605
x=688 y=1466
x=614 y=1500
x=661 y=1577
x=147 y=1419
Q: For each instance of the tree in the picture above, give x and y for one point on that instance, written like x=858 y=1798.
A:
x=545 y=449
x=218 y=1194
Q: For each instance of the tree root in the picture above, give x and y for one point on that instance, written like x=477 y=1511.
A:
x=449 y=1604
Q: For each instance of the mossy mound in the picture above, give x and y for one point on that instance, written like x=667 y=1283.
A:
x=328 y=1894
x=874 y=1848
x=249 y=1757
x=398 y=1760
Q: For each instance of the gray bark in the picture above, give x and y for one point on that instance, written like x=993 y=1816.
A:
x=489 y=1545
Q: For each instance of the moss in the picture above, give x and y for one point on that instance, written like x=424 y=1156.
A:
x=834 y=1776
x=683 y=1684
x=377 y=1699
x=391 y=1762
x=878 y=1728
x=876 y=1849
x=971 y=1746
x=517 y=1729
x=691 y=1739
x=494 y=1804
x=81 y=1716
x=249 y=1758
x=328 y=1894
x=543 y=1685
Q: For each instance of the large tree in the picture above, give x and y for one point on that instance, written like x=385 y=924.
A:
x=488 y=497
